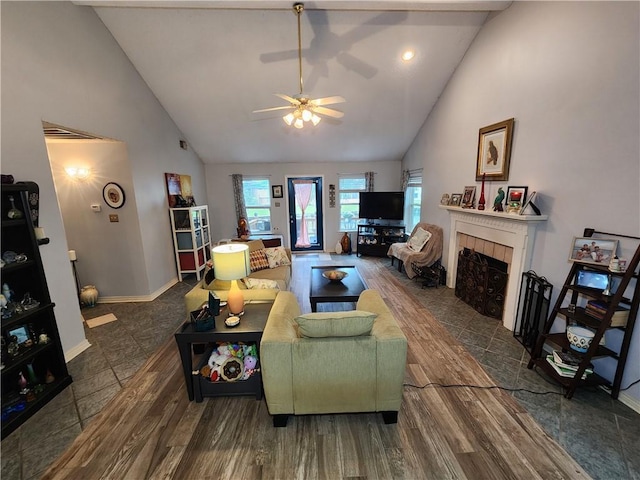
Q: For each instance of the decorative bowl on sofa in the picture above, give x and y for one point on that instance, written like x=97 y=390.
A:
x=334 y=275
x=579 y=338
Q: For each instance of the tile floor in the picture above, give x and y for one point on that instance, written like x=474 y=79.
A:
x=602 y=434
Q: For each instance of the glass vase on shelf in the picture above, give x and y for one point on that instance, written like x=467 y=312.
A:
x=13 y=212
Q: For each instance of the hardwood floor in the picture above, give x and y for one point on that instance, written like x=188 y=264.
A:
x=151 y=430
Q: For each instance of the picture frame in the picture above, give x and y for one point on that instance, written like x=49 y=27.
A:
x=516 y=194
x=113 y=195
x=598 y=251
x=456 y=198
x=494 y=151
x=529 y=203
x=469 y=196
x=276 y=191
x=21 y=333
x=445 y=199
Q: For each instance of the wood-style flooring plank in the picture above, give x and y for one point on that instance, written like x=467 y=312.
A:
x=151 y=430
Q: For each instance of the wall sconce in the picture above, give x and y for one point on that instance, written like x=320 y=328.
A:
x=78 y=173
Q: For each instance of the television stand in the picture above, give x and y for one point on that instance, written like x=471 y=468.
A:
x=375 y=239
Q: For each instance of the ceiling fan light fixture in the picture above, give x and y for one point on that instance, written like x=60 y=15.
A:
x=315 y=119
x=298 y=123
x=288 y=118
x=306 y=115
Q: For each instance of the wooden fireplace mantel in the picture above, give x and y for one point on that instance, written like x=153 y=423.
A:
x=508 y=229
x=502 y=215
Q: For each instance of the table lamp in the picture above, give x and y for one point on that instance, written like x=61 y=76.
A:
x=231 y=262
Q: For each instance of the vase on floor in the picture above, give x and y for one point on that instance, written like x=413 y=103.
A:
x=345 y=243
x=89 y=296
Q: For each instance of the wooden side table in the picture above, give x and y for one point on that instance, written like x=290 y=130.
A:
x=249 y=331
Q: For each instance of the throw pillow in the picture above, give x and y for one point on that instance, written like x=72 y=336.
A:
x=418 y=240
x=277 y=256
x=260 y=283
x=258 y=260
x=335 y=324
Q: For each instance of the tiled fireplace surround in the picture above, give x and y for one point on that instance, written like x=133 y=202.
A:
x=505 y=237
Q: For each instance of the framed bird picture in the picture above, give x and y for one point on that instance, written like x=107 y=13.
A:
x=494 y=151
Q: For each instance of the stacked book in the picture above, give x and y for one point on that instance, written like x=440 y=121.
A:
x=566 y=364
x=598 y=309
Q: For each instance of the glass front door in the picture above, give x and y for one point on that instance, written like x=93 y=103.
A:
x=305 y=213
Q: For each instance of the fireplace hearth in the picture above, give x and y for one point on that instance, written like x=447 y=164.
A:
x=481 y=282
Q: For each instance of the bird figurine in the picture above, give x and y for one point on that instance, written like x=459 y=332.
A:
x=497 y=203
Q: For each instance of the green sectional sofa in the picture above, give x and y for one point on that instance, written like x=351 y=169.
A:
x=332 y=362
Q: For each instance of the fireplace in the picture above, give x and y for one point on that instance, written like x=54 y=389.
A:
x=481 y=282
x=503 y=236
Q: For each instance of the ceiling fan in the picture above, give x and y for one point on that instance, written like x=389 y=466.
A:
x=305 y=109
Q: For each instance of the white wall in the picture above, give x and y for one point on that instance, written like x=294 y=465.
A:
x=61 y=65
x=569 y=74
x=96 y=240
x=221 y=208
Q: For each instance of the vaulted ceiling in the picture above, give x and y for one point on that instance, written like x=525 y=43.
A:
x=211 y=63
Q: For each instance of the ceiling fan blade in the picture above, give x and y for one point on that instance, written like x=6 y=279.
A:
x=329 y=112
x=289 y=99
x=352 y=63
x=328 y=100
x=273 y=108
x=279 y=56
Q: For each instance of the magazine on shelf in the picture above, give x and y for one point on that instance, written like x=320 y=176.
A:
x=569 y=361
x=565 y=372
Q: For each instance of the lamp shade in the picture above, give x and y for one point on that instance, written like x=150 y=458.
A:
x=231 y=261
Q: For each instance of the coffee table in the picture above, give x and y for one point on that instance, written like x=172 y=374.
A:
x=347 y=290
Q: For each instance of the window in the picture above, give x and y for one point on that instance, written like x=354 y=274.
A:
x=413 y=200
x=349 y=187
x=257 y=199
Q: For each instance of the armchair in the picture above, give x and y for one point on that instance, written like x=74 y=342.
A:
x=329 y=373
x=430 y=253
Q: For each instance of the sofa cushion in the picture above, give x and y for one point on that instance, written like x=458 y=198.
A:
x=335 y=324
x=255 y=245
x=260 y=283
x=418 y=240
x=277 y=256
x=258 y=260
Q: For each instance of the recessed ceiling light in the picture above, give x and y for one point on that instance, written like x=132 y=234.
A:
x=408 y=55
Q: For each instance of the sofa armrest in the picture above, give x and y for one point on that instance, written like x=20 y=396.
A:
x=276 y=353
x=391 y=351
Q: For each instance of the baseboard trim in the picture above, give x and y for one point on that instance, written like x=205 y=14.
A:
x=73 y=352
x=140 y=298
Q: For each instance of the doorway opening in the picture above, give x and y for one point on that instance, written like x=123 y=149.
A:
x=305 y=214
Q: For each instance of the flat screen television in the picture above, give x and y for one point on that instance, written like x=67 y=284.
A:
x=381 y=205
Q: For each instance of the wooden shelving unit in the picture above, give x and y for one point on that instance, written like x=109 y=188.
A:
x=375 y=239
x=191 y=239
x=40 y=360
x=559 y=340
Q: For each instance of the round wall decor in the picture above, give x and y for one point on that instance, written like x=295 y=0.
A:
x=113 y=195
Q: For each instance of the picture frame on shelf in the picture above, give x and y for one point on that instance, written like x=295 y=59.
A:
x=445 y=199
x=598 y=251
x=276 y=191
x=494 y=151
x=113 y=195
x=469 y=196
x=21 y=333
x=529 y=203
x=456 y=198
x=515 y=199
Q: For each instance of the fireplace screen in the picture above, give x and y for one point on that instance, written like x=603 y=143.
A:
x=481 y=282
